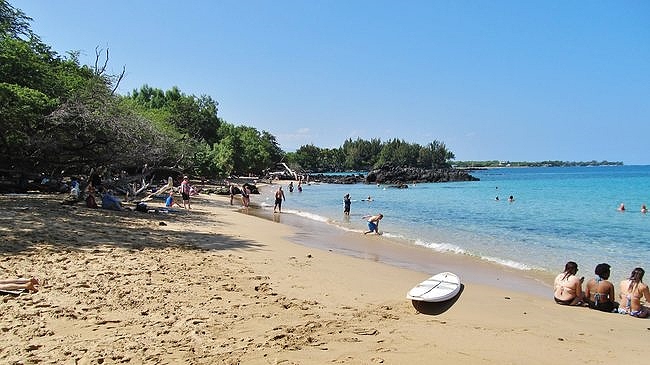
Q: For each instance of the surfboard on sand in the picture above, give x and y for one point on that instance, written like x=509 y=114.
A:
x=437 y=288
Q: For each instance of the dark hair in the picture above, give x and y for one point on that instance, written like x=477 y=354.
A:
x=602 y=270
x=571 y=268
x=635 y=277
x=637 y=274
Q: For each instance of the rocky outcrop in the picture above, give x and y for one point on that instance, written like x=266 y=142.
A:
x=397 y=177
x=401 y=175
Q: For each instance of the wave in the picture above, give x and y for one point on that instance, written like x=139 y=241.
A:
x=509 y=263
x=312 y=216
x=442 y=247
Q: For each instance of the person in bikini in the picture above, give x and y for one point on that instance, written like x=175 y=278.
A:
x=568 y=287
x=632 y=291
x=599 y=292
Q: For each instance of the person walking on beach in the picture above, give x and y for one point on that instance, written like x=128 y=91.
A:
x=373 y=223
x=632 y=290
x=279 y=197
x=185 y=190
x=245 y=196
x=346 y=204
x=231 y=190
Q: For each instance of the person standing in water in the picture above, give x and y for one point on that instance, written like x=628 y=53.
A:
x=279 y=197
x=346 y=204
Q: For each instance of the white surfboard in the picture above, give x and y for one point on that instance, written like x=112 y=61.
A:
x=437 y=288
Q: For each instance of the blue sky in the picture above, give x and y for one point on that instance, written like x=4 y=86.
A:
x=493 y=80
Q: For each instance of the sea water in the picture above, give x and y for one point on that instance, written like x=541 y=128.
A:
x=558 y=214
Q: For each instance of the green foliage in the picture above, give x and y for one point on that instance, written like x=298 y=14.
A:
x=22 y=110
x=362 y=155
x=194 y=116
x=57 y=114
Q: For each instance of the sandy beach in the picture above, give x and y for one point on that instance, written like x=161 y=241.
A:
x=217 y=286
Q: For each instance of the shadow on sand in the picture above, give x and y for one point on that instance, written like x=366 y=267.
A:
x=436 y=308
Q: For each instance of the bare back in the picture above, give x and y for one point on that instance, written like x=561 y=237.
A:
x=631 y=297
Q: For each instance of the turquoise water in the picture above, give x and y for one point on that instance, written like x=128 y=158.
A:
x=558 y=214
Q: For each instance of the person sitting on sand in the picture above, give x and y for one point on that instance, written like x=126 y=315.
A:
x=30 y=284
x=90 y=198
x=599 y=292
x=169 y=202
x=373 y=223
x=111 y=202
x=567 y=286
x=632 y=290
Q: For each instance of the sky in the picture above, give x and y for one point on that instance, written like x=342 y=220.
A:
x=492 y=80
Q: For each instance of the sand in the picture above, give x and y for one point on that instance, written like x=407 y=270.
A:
x=217 y=286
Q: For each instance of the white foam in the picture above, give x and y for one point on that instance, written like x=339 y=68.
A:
x=508 y=263
x=441 y=247
x=312 y=216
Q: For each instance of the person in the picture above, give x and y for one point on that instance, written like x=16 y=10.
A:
x=169 y=202
x=346 y=204
x=30 y=284
x=231 y=190
x=90 y=198
x=599 y=292
x=644 y=209
x=110 y=201
x=75 y=188
x=300 y=186
x=185 y=190
x=621 y=208
x=373 y=223
x=368 y=199
x=279 y=197
x=567 y=286
x=245 y=196
x=632 y=290
x=291 y=186
x=511 y=198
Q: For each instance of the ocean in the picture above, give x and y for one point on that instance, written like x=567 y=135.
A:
x=558 y=214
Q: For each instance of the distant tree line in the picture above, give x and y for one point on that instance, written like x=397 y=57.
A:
x=495 y=163
x=364 y=155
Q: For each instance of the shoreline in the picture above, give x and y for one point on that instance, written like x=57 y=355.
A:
x=391 y=251
x=216 y=286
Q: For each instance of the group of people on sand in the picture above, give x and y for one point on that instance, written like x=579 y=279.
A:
x=599 y=292
x=244 y=191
